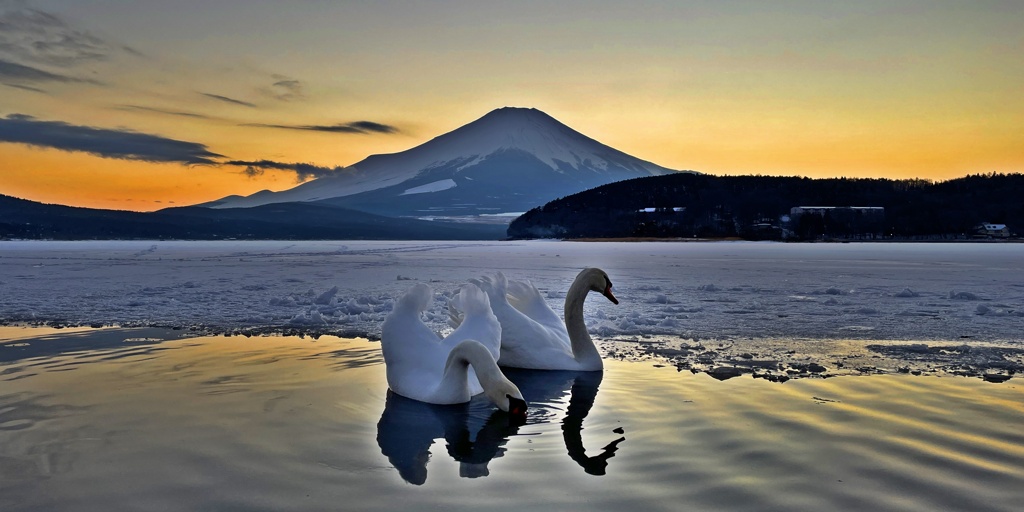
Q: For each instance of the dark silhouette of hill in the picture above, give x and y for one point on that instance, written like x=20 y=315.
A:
x=759 y=207
x=20 y=218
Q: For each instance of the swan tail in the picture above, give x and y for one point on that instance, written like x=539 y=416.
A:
x=471 y=300
x=501 y=285
x=415 y=300
x=496 y=287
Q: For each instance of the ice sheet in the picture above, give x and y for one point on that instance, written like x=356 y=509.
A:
x=744 y=296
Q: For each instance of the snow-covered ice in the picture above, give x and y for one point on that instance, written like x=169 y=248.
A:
x=743 y=295
x=435 y=186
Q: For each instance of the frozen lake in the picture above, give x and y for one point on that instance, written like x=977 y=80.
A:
x=161 y=420
x=850 y=307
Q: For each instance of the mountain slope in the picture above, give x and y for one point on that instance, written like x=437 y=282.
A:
x=509 y=160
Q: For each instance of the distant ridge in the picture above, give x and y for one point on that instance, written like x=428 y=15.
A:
x=20 y=218
x=509 y=160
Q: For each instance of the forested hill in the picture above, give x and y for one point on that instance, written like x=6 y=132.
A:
x=20 y=218
x=759 y=207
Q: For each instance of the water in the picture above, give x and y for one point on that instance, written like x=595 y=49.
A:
x=150 y=419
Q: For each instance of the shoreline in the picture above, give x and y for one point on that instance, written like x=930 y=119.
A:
x=737 y=239
x=773 y=310
x=581 y=239
x=775 y=360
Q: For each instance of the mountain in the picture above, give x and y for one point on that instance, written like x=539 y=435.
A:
x=510 y=160
x=20 y=218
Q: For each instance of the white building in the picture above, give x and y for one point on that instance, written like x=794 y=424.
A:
x=821 y=210
x=990 y=230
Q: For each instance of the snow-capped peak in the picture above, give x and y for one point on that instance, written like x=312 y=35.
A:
x=510 y=130
x=523 y=129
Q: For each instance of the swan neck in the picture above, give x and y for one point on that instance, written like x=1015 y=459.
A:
x=583 y=349
x=456 y=370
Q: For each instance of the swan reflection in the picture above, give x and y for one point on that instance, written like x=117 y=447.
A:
x=475 y=433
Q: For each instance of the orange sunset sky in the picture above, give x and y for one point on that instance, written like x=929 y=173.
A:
x=142 y=105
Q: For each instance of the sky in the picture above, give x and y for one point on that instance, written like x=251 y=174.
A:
x=145 y=104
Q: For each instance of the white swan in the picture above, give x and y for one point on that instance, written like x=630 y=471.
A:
x=532 y=335
x=423 y=366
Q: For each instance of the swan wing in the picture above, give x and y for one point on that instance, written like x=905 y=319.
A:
x=414 y=356
x=526 y=298
x=526 y=343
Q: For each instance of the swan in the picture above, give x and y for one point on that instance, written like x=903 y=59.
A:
x=532 y=335
x=423 y=366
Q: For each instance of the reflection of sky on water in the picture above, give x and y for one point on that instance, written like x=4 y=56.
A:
x=57 y=342
x=476 y=432
x=280 y=423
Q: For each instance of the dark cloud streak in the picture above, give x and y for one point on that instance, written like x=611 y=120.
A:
x=228 y=100
x=132 y=51
x=371 y=126
x=102 y=142
x=21 y=73
x=302 y=171
x=26 y=88
x=162 y=111
x=356 y=127
x=38 y=37
x=286 y=89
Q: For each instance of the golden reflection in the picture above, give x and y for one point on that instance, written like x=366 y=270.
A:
x=893 y=420
x=300 y=421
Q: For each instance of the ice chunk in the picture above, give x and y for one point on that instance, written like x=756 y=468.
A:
x=326 y=297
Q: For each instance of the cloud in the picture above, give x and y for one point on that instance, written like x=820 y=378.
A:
x=358 y=127
x=286 y=89
x=162 y=111
x=37 y=37
x=370 y=126
x=302 y=171
x=120 y=144
x=228 y=100
x=20 y=73
x=26 y=88
x=136 y=53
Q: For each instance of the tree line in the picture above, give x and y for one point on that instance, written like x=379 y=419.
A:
x=759 y=207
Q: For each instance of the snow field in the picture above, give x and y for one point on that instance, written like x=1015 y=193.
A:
x=687 y=290
x=729 y=290
x=725 y=308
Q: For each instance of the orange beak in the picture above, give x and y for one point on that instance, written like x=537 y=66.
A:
x=608 y=293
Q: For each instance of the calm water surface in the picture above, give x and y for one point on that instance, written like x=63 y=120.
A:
x=145 y=419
